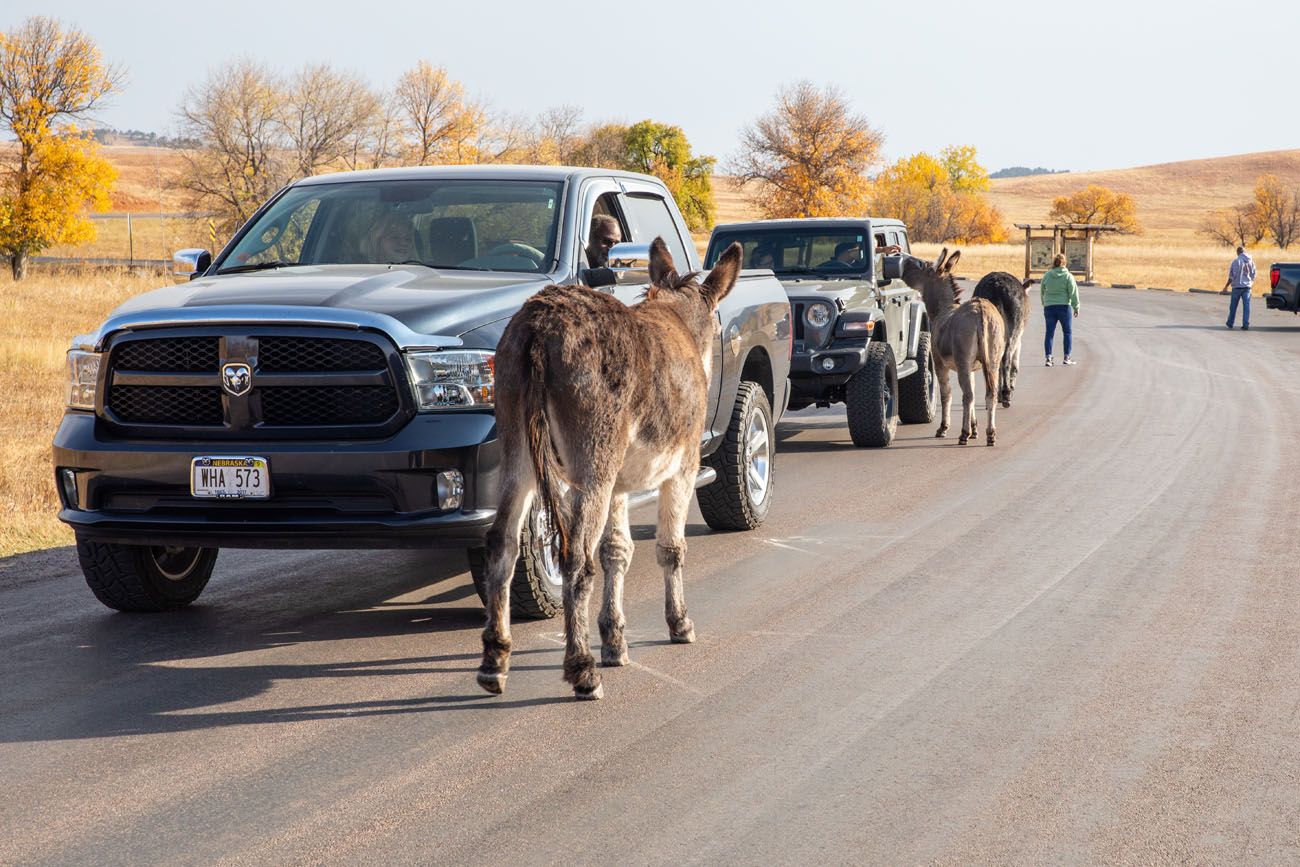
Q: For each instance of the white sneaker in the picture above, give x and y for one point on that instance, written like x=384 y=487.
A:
x=1069 y=360
x=1049 y=361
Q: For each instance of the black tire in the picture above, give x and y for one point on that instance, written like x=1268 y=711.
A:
x=917 y=393
x=872 y=398
x=143 y=578
x=737 y=500
x=536 y=591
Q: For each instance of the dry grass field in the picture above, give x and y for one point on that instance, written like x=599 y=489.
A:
x=40 y=314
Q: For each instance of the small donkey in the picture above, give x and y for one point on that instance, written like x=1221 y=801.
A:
x=965 y=336
x=1011 y=296
x=606 y=399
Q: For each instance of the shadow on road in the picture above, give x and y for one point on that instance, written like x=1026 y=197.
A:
x=107 y=674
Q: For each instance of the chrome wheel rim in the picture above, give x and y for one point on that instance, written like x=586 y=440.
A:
x=548 y=546
x=757 y=459
x=175 y=563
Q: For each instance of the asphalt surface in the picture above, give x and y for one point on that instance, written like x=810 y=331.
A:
x=1080 y=646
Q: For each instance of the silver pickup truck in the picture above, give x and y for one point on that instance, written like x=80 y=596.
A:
x=861 y=336
x=326 y=381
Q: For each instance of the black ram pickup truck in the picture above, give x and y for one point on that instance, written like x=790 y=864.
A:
x=1283 y=287
x=327 y=380
x=861 y=336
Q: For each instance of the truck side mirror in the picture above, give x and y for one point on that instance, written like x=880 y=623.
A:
x=630 y=262
x=891 y=269
x=190 y=263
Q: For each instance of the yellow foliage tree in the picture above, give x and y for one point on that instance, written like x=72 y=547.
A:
x=1097 y=204
x=939 y=198
x=50 y=76
x=439 y=123
x=808 y=157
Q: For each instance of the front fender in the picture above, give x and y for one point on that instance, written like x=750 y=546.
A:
x=916 y=323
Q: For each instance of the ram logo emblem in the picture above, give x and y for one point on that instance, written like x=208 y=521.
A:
x=237 y=379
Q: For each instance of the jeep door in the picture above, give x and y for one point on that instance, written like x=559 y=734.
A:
x=895 y=296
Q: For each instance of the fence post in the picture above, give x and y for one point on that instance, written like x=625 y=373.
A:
x=130 y=242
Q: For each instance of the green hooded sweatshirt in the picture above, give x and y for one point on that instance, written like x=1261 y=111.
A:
x=1058 y=287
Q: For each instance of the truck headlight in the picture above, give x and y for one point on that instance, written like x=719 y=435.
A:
x=456 y=379
x=83 y=373
x=818 y=315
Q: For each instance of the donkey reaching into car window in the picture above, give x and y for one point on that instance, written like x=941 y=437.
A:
x=596 y=400
x=965 y=336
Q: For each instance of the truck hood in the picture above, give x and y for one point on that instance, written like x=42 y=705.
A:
x=854 y=293
x=425 y=300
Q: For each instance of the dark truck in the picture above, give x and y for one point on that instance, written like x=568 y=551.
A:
x=861 y=336
x=327 y=380
x=1283 y=287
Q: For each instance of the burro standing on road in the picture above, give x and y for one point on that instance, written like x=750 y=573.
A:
x=966 y=336
x=604 y=400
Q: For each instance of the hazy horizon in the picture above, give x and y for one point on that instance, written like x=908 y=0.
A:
x=1165 y=88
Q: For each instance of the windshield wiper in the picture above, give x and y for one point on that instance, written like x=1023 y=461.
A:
x=259 y=266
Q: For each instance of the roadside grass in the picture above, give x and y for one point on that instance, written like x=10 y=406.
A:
x=38 y=316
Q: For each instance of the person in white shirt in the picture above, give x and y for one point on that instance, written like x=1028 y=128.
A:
x=1241 y=276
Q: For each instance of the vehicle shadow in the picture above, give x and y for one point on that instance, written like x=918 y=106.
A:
x=107 y=674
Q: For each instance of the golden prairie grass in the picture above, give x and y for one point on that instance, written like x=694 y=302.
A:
x=38 y=316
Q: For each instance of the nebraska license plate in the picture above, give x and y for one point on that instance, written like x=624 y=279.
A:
x=230 y=477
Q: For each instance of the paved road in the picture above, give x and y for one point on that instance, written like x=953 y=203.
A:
x=1082 y=646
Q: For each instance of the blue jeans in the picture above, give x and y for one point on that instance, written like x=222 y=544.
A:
x=1064 y=314
x=1241 y=294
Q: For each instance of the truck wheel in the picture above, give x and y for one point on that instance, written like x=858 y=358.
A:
x=537 y=586
x=741 y=495
x=143 y=578
x=872 y=398
x=916 y=393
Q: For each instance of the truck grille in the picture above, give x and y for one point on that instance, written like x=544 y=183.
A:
x=305 y=382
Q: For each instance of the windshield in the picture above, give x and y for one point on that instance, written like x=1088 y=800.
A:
x=477 y=225
x=791 y=251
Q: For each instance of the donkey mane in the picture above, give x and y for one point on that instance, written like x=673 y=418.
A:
x=677 y=283
x=947 y=275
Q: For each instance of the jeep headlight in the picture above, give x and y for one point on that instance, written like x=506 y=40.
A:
x=83 y=373
x=455 y=379
x=818 y=315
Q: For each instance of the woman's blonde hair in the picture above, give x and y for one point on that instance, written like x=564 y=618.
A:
x=1058 y=260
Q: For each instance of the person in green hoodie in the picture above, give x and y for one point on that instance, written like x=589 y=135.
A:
x=1060 y=304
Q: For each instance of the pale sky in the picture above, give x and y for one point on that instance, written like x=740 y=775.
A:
x=1087 y=85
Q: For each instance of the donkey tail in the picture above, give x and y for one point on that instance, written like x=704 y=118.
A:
x=991 y=370
x=540 y=444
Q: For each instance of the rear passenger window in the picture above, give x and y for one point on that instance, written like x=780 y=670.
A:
x=650 y=218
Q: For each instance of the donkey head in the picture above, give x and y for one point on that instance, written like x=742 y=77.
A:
x=665 y=279
x=935 y=282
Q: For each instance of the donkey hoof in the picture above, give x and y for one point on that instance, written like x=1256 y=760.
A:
x=941 y=433
x=589 y=694
x=683 y=633
x=493 y=683
x=613 y=657
x=1006 y=404
x=961 y=440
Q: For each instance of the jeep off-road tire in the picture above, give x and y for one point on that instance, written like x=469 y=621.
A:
x=536 y=587
x=872 y=398
x=740 y=497
x=917 y=395
x=143 y=578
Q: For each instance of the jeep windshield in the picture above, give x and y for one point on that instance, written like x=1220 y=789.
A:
x=825 y=252
x=469 y=225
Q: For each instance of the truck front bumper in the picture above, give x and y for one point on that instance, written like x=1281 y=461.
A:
x=335 y=494
x=810 y=377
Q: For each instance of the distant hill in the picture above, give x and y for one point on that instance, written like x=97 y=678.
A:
x=1025 y=171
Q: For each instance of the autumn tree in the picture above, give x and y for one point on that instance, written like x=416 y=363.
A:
x=236 y=114
x=603 y=146
x=49 y=78
x=1238 y=226
x=1097 y=204
x=1278 y=209
x=439 y=123
x=809 y=155
x=662 y=150
x=323 y=111
x=939 y=198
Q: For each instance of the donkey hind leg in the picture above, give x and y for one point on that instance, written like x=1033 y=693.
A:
x=966 y=379
x=945 y=400
x=670 y=550
x=503 y=550
x=991 y=375
x=588 y=512
x=615 y=557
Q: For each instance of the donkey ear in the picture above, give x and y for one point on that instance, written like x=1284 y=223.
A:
x=723 y=276
x=662 y=270
x=951 y=262
x=938 y=263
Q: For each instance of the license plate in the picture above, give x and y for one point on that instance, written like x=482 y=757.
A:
x=230 y=478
